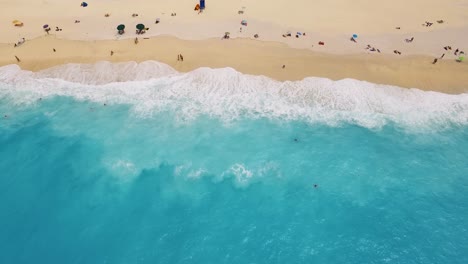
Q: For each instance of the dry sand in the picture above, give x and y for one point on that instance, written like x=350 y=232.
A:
x=331 y=21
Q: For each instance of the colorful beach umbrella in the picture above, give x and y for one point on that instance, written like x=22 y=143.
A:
x=355 y=35
x=140 y=26
x=45 y=26
x=121 y=27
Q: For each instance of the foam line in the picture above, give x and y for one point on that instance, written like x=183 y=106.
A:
x=153 y=87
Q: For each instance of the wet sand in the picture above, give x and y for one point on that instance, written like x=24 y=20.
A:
x=247 y=56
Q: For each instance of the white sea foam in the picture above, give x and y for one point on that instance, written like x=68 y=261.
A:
x=152 y=87
x=123 y=169
x=106 y=72
x=241 y=174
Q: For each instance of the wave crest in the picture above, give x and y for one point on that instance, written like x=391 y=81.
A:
x=152 y=87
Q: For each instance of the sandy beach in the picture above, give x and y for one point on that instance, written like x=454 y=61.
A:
x=247 y=56
x=382 y=26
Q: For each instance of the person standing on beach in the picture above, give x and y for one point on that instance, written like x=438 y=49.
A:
x=17 y=59
x=136 y=40
x=181 y=57
x=435 y=61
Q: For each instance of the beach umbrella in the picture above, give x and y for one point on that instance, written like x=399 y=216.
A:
x=121 y=27
x=355 y=36
x=140 y=26
x=84 y=4
x=461 y=58
x=45 y=26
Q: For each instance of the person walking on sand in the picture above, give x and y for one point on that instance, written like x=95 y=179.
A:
x=435 y=61
x=442 y=56
x=284 y=66
x=17 y=59
x=136 y=41
x=112 y=52
x=181 y=57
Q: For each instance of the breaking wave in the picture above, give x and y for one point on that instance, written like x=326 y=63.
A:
x=151 y=87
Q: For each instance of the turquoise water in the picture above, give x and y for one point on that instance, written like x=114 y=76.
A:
x=158 y=175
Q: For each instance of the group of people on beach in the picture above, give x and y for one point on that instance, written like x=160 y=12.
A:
x=370 y=48
x=457 y=52
x=298 y=34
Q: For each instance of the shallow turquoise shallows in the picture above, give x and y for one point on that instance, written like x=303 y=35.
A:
x=184 y=168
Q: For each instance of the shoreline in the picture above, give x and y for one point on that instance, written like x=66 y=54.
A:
x=247 y=56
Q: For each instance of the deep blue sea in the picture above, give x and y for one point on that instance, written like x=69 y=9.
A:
x=137 y=163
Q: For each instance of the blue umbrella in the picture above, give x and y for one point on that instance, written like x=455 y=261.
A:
x=84 y=4
x=355 y=36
